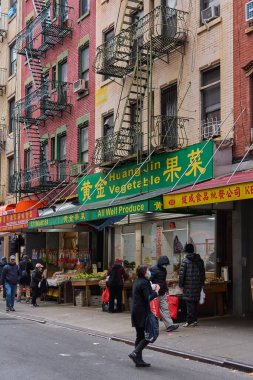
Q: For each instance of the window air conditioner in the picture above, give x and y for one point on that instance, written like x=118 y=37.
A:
x=81 y=85
x=249 y=11
x=211 y=130
x=210 y=13
x=77 y=169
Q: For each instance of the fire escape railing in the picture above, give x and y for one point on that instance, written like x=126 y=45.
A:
x=50 y=99
x=164 y=29
x=43 y=32
x=168 y=133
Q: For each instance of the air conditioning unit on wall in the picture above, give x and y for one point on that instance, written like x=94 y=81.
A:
x=249 y=11
x=210 y=13
x=211 y=130
x=77 y=169
x=81 y=85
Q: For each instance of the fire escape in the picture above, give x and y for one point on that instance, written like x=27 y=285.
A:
x=130 y=55
x=46 y=98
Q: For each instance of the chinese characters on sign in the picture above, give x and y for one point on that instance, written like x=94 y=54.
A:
x=17 y=220
x=207 y=196
x=162 y=171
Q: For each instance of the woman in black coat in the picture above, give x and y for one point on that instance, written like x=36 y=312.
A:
x=191 y=280
x=142 y=295
x=36 y=279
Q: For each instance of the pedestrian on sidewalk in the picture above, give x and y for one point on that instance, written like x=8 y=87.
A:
x=116 y=277
x=2 y=265
x=25 y=267
x=10 y=278
x=142 y=295
x=158 y=276
x=191 y=281
x=35 y=281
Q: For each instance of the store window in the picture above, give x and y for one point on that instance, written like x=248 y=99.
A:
x=11 y=115
x=13 y=59
x=128 y=242
x=84 y=7
x=84 y=62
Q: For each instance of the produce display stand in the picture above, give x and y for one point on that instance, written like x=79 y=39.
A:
x=79 y=284
x=127 y=286
x=216 y=290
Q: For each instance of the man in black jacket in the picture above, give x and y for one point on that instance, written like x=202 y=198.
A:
x=10 y=278
x=25 y=267
x=191 y=281
x=158 y=276
x=2 y=265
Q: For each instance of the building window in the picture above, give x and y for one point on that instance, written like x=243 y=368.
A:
x=84 y=63
x=84 y=7
x=53 y=77
x=13 y=59
x=62 y=84
x=168 y=125
x=62 y=155
x=83 y=143
x=29 y=34
x=211 y=107
x=28 y=104
x=211 y=10
x=11 y=115
x=52 y=148
x=108 y=40
x=108 y=129
x=11 y=175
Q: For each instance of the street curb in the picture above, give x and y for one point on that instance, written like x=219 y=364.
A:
x=226 y=363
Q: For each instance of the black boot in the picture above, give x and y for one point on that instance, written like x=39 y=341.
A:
x=136 y=354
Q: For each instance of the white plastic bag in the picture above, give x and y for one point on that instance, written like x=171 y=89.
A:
x=202 y=297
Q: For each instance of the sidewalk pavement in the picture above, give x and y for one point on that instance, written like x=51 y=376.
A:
x=222 y=340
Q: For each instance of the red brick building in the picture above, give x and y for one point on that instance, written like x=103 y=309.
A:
x=56 y=114
x=243 y=77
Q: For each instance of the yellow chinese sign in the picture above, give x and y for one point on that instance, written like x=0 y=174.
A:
x=215 y=195
x=101 y=95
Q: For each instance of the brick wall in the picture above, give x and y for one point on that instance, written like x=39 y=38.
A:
x=81 y=107
x=243 y=40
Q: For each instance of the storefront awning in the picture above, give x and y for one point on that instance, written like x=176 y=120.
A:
x=218 y=190
x=150 y=201
x=7 y=208
x=18 y=219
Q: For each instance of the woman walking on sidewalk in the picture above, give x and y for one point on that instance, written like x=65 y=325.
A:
x=36 y=279
x=142 y=295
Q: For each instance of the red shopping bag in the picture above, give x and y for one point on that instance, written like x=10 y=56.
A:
x=154 y=307
x=173 y=306
x=105 y=295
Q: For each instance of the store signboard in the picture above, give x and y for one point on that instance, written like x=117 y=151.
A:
x=214 y=195
x=17 y=220
x=164 y=170
x=85 y=216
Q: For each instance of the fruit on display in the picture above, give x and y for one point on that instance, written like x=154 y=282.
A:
x=88 y=276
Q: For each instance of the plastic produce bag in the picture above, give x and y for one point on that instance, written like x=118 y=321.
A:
x=173 y=306
x=202 y=297
x=105 y=295
x=154 y=307
x=151 y=328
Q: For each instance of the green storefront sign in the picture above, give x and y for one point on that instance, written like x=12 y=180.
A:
x=83 y=216
x=163 y=170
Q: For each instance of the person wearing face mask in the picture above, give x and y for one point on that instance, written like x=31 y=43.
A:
x=142 y=295
x=158 y=276
x=36 y=279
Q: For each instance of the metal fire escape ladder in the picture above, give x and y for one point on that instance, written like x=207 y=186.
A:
x=35 y=67
x=129 y=138
x=131 y=6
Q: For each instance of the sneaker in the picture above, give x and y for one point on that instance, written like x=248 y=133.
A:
x=188 y=324
x=27 y=301
x=195 y=323
x=12 y=309
x=19 y=301
x=7 y=310
x=172 y=328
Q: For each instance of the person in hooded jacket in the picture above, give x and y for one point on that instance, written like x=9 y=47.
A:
x=116 y=277
x=2 y=265
x=191 y=281
x=25 y=267
x=158 y=276
x=35 y=283
x=142 y=295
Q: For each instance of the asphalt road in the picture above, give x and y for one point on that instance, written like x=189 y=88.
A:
x=29 y=350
